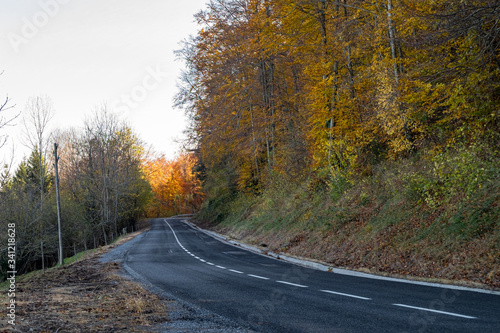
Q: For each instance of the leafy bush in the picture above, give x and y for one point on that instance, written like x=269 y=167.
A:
x=455 y=174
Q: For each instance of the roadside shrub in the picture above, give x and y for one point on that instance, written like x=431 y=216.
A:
x=452 y=175
x=460 y=173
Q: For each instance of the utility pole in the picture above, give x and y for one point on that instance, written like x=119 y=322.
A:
x=56 y=160
x=43 y=259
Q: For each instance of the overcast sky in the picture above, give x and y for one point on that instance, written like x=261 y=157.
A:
x=83 y=53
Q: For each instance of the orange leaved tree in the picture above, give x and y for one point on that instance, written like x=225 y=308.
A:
x=176 y=187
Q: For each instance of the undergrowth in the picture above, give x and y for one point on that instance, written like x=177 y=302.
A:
x=432 y=215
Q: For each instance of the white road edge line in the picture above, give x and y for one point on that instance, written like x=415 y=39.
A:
x=293 y=284
x=178 y=242
x=322 y=267
x=177 y=239
x=436 y=311
x=347 y=295
x=327 y=291
x=235 y=271
x=209 y=263
x=258 y=277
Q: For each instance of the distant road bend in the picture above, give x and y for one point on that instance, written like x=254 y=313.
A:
x=269 y=295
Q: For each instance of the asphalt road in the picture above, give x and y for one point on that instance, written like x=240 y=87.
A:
x=269 y=295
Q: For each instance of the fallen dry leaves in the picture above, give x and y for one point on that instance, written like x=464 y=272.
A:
x=87 y=296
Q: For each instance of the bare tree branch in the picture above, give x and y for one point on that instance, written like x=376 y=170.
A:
x=38 y=112
x=5 y=120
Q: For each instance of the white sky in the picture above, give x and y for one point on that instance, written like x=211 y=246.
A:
x=82 y=53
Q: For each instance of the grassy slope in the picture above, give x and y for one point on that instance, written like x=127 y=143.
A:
x=429 y=217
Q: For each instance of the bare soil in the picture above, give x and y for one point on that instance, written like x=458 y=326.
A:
x=85 y=296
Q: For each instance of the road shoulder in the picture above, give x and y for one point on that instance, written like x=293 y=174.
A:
x=322 y=266
x=86 y=296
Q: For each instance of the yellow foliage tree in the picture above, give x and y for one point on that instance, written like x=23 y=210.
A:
x=175 y=184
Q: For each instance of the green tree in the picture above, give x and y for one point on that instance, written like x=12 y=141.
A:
x=21 y=205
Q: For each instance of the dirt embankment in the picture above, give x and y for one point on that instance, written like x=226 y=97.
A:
x=86 y=296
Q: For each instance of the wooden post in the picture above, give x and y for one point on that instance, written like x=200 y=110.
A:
x=56 y=160
x=43 y=260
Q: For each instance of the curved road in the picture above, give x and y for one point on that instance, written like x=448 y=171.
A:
x=269 y=295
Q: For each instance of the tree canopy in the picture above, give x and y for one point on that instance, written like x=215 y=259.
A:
x=333 y=86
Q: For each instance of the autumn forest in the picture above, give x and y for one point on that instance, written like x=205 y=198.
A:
x=360 y=133
x=335 y=86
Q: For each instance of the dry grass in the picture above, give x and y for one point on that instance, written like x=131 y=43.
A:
x=87 y=296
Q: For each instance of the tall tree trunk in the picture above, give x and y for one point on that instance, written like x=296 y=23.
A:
x=392 y=40
x=254 y=144
x=351 y=72
x=333 y=106
x=104 y=234
x=267 y=76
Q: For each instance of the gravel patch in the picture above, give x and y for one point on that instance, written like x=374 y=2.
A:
x=183 y=316
x=119 y=253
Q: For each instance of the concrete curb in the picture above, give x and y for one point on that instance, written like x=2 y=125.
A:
x=324 y=267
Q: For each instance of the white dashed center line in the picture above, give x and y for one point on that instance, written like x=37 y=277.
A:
x=293 y=284
x=258 y=277
x=304 y=286
x=435 y=311
x=347 y=295
x=235 y=271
